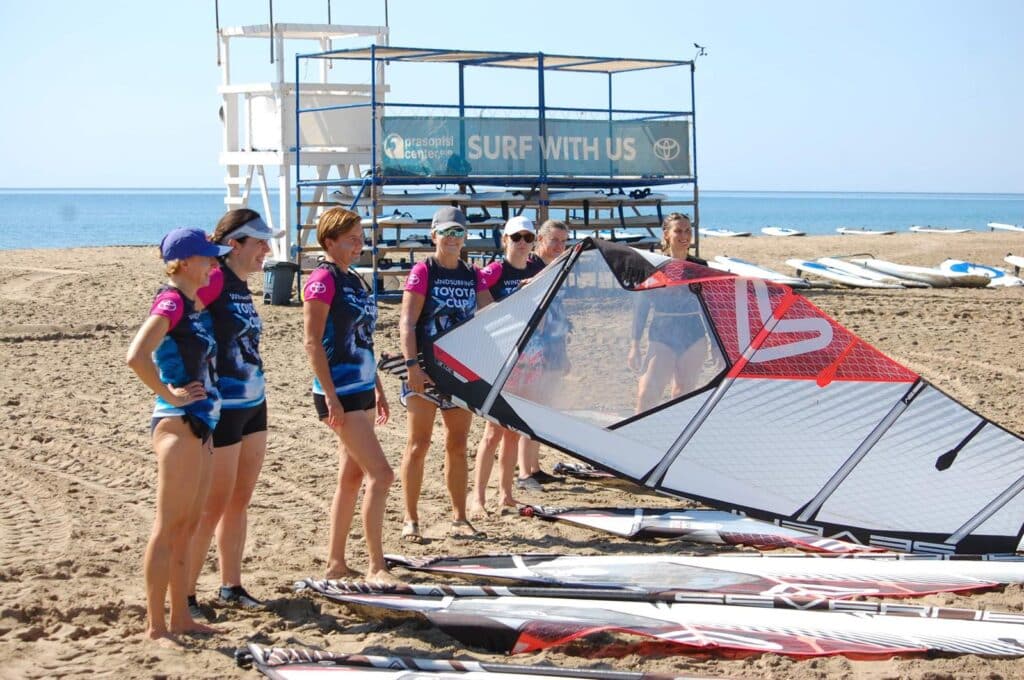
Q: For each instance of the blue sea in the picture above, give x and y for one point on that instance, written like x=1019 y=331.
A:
x=61 y=218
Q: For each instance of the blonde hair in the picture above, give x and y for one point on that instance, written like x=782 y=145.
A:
x=334 y=223
x=172 y=267
x=550 y=226
x=666 y=225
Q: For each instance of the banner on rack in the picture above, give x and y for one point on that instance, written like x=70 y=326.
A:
x=451 y=146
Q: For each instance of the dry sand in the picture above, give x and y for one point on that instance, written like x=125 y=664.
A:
x=78 y=475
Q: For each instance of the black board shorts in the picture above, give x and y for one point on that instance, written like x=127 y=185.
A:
x=198 y=426
x=360 y=401
x=236 y=423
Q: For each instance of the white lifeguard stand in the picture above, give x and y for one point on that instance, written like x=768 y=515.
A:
x=259 y=121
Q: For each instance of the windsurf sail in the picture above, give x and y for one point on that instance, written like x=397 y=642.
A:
x=741 y=573
x=291 y=663
x=503 y=622
x=696 y=526
x=789 y=417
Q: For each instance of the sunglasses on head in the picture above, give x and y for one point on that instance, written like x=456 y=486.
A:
x=521 y=236
x=457 y=232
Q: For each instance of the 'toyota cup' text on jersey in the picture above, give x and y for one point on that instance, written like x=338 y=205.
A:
x=450 y=295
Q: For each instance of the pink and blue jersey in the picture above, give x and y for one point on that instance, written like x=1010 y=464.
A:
x=506 y=279
x=348 y=333
x=186 y=354
x=236 y=328
x=450 y=295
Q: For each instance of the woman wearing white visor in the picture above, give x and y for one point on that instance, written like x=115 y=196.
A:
x=240 y=439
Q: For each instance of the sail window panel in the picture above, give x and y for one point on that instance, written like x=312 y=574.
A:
x=586 y=440
x=484 y=347
x=592 y=379
x=779 y=440
x=899 y=482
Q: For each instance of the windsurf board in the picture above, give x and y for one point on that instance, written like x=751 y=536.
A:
x=1005 y=227
x=865 y=273
x=929 y=229
x=781 y=231
x=723 y=233
x=837 y=275
x=863 y=231
x=997 y=277
x=739 y=267
x=1016 y=260
x=932 y=277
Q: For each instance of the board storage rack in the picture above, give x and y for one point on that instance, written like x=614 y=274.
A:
x=600 y=168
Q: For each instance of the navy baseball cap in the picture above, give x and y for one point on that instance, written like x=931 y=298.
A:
x=183 y=243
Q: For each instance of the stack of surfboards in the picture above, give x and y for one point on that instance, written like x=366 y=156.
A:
x=870 y=272
x=739 y=267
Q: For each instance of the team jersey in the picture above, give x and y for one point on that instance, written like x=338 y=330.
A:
x=237 y=328
x=188 y=353
x=508 y=278
x=348 y=333
x=450 y=295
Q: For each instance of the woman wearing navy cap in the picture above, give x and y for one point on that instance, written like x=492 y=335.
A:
x=240 y=440
x=173 y=353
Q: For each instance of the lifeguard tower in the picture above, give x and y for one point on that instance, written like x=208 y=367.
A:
x=259 y=120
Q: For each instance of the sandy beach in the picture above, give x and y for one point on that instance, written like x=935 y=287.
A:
x=77 y=487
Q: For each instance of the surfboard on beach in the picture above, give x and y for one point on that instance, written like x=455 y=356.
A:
x=724 y=233
x=929 y=275
x=740 y=267
x=1016 y=260
x=865 y=273
x=781 y=231
x=997 y=277
x=918 y=229
x=1001 y=226
x=837 y=275
x=863 y=231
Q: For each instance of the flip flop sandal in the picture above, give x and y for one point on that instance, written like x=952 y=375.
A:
x=411 y=532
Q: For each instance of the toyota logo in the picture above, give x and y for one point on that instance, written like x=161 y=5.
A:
x=167 y=305
x=666 y=148
x=316 y=288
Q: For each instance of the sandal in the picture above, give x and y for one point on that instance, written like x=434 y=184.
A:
x=461 y=528
x=411 y=532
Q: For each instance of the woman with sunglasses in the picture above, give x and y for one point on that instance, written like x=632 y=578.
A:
x=240 y=440
x=507 y=275
x=674 y=348
x=173 y=354
x=440 y=292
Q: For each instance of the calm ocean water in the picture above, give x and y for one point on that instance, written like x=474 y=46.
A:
x=52 y=218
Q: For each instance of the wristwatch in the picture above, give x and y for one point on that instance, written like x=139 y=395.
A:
x=409 y=363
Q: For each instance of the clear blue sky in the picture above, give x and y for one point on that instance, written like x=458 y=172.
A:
x=812 y=95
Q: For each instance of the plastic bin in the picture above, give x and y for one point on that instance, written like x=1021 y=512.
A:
x=278 y=281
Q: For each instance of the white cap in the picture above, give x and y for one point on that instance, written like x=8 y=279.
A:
x=517 y=224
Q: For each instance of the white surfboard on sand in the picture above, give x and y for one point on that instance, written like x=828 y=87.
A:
x=863 y=231
x=837 y=275
x=781 y=231
x=735 y=265
x=1004 y=227
x=1016 y=260
x=918 y=229
x=723 y=233
x=865 y=273
x=998 y=278
x=933 y=277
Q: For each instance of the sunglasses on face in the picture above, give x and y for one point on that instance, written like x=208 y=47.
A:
x=522 y=236
x=455 y=232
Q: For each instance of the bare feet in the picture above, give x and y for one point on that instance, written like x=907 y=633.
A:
x=192 y=627
x=163 y=638
x=382 y=576
x=342 y=571
x=461 y=528
x=476 y=510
